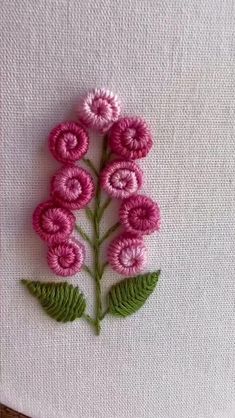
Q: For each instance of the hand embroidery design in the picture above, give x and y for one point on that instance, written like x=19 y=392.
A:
x=125 y=139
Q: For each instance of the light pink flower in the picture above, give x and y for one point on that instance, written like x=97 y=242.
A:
x=130 y=138
x=68 y=142
x=72 y=187
x=66 y=258
x=139 y=215
x=53 y=223
x=99 y=109
x=127 y=254
x=121 y=179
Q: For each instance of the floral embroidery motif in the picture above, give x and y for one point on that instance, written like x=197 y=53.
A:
x=121 y=179
x=73 y=188
x=68 y=142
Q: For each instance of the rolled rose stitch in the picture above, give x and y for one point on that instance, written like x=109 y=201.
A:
x=121 y=178
x=66 y=258
x=127 y=254
x=68 y=142
x=99 y=109
x=72 y=188
x=140 y=215
x=52 y=222
x=130 y=138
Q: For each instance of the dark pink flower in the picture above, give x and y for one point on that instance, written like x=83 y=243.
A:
x=68 y=142
x=72 y=187
x=121 y=179
x=130 y=138
x=66 y=258
x=53 y=223
x=140 y=215
x=99 y=109
x=127 y=254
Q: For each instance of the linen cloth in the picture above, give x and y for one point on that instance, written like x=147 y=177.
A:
x=171 y=62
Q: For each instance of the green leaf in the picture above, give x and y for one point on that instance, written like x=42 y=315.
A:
x=61 y=301
x=129 y=295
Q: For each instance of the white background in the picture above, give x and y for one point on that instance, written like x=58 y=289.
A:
x=171 y=62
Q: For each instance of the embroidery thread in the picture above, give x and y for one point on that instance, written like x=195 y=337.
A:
x=72 y=188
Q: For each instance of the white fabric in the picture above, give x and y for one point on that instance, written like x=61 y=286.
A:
x=171 y=62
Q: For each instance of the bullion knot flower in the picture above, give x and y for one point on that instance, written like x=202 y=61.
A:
x=140 y=215
x=72 y=187
x=127 y=254
x=121 y=179
x=52 y=222
x=66 y=258
x=68 y=142
x=130 y=138
x=99 y=109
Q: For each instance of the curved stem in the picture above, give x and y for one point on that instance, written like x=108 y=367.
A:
x=104 y=206
x=88 y=270
x=109 y=232
x=84 y=235
x=90 y=164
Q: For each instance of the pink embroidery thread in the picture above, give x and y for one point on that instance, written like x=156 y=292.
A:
x=140 y=215
x=66 y=258
x=130 y=138
x=99 y=109
x=53 y=223
x=72 y=187
x=121 y=179
x=127 y=254
x=68 y=142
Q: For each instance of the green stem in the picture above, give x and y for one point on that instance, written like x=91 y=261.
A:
x=104 y=206
x=109 y=232
x=103 y=314
x=88 y=270
x=83 y=235
x=89 y=319
x=98 y=268
x=90 y=164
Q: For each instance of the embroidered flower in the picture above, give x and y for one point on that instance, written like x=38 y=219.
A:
x=68 y=142
x=66 y=258
x=53 y=223
x=127 y=254
x=130 y=138
x=121 y=179
x=140 y=215
x=99 y=109
x=72 y=187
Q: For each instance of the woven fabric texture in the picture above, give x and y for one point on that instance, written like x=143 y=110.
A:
x=172 y=63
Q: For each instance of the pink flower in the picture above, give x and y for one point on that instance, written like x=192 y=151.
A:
x=53 y=223
x=99 y=109
x=66 y=258
x=72 y=187
x=121 y=179
x=130 y=138
x=68 y=142
x=127 y=254
x=140 y=215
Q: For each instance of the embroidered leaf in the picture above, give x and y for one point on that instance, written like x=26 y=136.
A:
x=129 y=295
x=61 y=301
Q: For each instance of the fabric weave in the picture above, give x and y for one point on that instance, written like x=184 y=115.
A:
x=172 y=63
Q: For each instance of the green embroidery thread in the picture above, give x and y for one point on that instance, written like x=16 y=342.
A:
x=129 y=139
x=129 y=295
x=61 y=301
